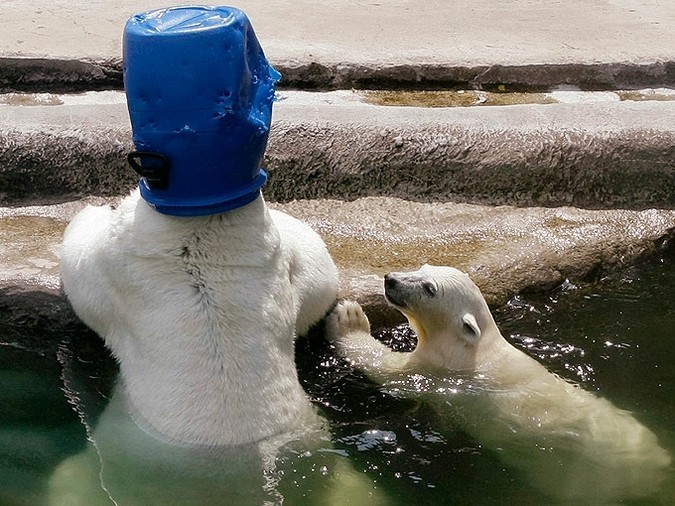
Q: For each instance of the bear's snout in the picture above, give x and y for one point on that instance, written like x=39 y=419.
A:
x=392 y=290
x=390 y=281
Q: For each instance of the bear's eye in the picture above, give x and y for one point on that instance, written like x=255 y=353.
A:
x=430 y=288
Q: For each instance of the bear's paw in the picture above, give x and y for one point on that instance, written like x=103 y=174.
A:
x=348 y=317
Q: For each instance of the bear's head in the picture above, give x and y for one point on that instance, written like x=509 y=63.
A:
x=449 y=314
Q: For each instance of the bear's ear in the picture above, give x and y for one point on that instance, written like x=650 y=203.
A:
x=470 y=329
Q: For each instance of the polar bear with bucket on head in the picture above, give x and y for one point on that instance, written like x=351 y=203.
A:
x=567 y=441
x=197 y=288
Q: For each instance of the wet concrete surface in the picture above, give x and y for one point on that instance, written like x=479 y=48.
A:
x=30 y=238
x=29 y=254
x=506 y=250
x=502 y=96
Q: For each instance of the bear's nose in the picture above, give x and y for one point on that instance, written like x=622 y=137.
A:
x=390 y=281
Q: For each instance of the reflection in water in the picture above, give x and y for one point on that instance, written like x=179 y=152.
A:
x=613 y=338
x=125 y=465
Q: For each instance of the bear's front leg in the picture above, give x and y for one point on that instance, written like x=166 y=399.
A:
x=85 y=264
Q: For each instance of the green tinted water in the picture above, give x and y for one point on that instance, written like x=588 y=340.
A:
x=614 y=337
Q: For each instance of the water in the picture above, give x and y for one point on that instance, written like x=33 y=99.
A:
x=614 y=337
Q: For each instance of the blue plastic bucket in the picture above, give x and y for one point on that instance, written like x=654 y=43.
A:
x=199 y=92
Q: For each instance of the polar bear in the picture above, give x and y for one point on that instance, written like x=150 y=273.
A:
x=567 y=441
x=201 y=313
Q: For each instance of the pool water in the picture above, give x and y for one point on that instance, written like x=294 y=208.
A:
x=614 y=337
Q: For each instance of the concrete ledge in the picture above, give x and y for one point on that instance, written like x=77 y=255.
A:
x=587 y=155
x=619 y=155
x=506 y=250
x=332 y=145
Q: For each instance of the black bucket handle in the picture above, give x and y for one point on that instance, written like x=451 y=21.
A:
x=152 y=166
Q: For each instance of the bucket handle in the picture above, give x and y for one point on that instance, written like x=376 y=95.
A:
x=152 y=166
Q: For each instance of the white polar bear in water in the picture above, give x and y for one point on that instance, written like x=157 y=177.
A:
x=567 y=441
x=201 y=313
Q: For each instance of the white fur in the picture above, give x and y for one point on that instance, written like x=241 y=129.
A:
x=569 y=442
x=201 y=313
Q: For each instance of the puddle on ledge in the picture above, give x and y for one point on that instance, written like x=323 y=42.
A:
x=500 y=96
x=471 y=98
x=29 y=246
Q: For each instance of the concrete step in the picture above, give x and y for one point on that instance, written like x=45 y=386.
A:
x=64 y=45
x=604 y=154
x=389 y=188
